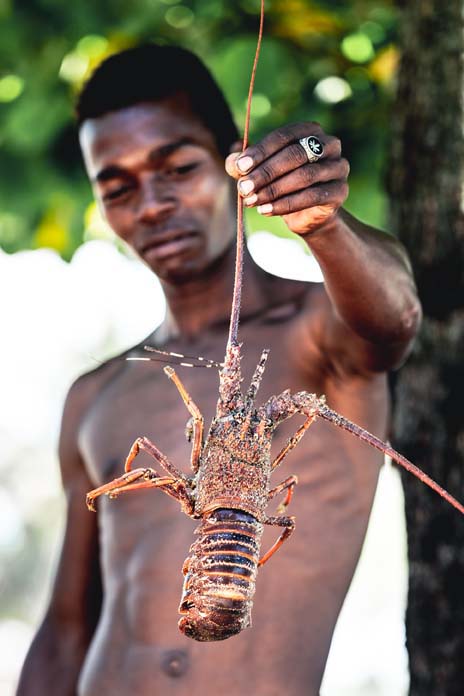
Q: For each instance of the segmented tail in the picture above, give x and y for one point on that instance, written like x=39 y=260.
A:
x=220 y=575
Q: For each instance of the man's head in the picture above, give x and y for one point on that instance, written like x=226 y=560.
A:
x=152 y=73
x=154 y=130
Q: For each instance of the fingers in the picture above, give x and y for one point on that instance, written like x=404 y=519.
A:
x=240 y=163
x=329 y=196
x=279 y=140
x=276 y=177
x=295 y=181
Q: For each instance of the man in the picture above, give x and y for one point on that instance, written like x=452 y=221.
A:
x=154 y=131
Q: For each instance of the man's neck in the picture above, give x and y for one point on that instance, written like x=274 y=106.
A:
x=206 y=300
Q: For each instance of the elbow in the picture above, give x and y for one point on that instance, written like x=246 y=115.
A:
x=405 y=335
x=394 y=348
x=410 y=321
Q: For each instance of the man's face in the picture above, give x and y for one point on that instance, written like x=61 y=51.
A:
x=160 y=183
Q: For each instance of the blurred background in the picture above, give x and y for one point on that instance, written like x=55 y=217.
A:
x=72 y=295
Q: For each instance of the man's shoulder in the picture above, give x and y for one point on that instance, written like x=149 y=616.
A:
x=282 y=291
x=86 y=388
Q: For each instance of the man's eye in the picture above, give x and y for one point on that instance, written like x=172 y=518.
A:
x=181 y=171
x=116 y=193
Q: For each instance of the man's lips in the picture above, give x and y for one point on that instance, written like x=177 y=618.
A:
x=164 y=244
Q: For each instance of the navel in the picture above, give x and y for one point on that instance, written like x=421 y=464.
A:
x=175 y=663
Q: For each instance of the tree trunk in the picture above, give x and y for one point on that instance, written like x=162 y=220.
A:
x=426 y=187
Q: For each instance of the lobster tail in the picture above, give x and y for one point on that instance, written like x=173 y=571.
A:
x=220 y=576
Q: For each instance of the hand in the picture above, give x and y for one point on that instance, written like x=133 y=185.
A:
x=275 y=176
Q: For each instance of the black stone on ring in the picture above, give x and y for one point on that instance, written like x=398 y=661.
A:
x=313 y=147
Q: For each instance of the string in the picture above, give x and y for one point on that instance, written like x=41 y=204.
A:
x=237 y=295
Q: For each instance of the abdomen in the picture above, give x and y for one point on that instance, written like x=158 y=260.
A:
x=220 y=575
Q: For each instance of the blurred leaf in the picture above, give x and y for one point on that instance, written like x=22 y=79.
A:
x=51 y=233
x=357 y=47
x=11 y=87
x=53 y=229
x=299 y=19
x=383 y=68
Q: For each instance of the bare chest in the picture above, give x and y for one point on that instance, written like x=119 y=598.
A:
x=142 y=401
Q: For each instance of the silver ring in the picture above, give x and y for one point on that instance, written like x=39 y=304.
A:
x=313 y=147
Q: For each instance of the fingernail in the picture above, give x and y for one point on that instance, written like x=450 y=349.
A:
x=230 y=163
x=251 y=200
x=244 y=163
x=246 y=186
x=264 y=209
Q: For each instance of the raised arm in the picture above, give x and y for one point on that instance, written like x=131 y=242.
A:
x=373 y=312
x=56 y=655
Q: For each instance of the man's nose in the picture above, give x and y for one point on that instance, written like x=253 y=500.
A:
x=156 y=202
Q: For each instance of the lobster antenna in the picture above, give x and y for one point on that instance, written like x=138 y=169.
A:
x=197 y=358
x=171 y=358
x=237 y=295
x=173 y=362
x=166 y=357
x=341 y=422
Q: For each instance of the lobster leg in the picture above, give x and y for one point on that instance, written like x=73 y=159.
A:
x=173 y=487
x=126 y=479
x=143 y=443
x=177 y=485
x=198 y=421
x=144 y=478
x=293 y=441
x=288 y=485
x=289 y=524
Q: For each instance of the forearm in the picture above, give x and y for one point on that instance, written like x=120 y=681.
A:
x=54 y=661
x=368 y=279
x=374 y=310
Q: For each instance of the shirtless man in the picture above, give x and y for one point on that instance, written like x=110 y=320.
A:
x=154 y=132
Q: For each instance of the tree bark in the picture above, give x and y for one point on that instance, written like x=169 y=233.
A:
x=426 y=186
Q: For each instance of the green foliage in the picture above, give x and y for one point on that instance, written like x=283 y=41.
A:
x=48 y=47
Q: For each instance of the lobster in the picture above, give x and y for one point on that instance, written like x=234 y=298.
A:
x=231 y=483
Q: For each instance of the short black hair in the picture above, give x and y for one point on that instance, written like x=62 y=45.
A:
x=153 y=72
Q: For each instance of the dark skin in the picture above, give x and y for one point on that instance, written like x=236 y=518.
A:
x=160 y=182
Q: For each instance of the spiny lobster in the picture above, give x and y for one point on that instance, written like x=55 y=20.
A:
x=230 y=488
